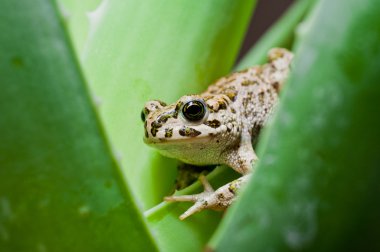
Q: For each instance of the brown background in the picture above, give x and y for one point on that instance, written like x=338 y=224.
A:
x=266 y=13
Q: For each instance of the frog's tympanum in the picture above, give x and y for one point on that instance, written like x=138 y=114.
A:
x=218 y=126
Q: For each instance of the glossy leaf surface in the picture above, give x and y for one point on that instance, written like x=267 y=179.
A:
x=60 y=189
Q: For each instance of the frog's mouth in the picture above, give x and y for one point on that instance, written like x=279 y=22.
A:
x=157 y=141
x=181 y=134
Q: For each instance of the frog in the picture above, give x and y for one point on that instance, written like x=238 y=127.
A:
x=218 y=127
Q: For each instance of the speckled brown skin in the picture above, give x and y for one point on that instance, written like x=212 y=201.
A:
x=238 y=106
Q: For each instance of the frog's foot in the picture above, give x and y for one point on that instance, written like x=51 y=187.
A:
x=209 y=199
x=200 y=199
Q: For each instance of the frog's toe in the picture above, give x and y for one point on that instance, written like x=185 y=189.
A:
x=181 y=198
x=199 y=199
x=194 y=197
x=197 y=207
x=206 y=185
x=205 y=200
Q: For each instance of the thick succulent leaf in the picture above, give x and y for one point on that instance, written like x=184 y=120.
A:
x=60 y=189
x=317 y=186
x=75 y=15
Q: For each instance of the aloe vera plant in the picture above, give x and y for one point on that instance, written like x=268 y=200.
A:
x=76 y=176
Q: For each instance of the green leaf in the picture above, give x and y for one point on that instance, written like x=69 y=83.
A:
x=75 y=14
x=317 y=185
x=60 y=189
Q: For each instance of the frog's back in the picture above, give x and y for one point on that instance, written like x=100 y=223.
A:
x=253 y=92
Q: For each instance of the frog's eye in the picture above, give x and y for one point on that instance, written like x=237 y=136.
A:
x=194 y=110
x=142 y=115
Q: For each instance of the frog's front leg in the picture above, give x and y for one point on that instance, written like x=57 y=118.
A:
x=210 y=199
x=241 y=158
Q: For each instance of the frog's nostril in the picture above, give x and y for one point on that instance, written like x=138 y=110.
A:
x=142 y=116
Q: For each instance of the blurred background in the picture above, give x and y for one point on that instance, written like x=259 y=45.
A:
x=266 y=13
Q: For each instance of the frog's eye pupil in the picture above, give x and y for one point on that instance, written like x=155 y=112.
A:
x=142 y=116
x=194 y=110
